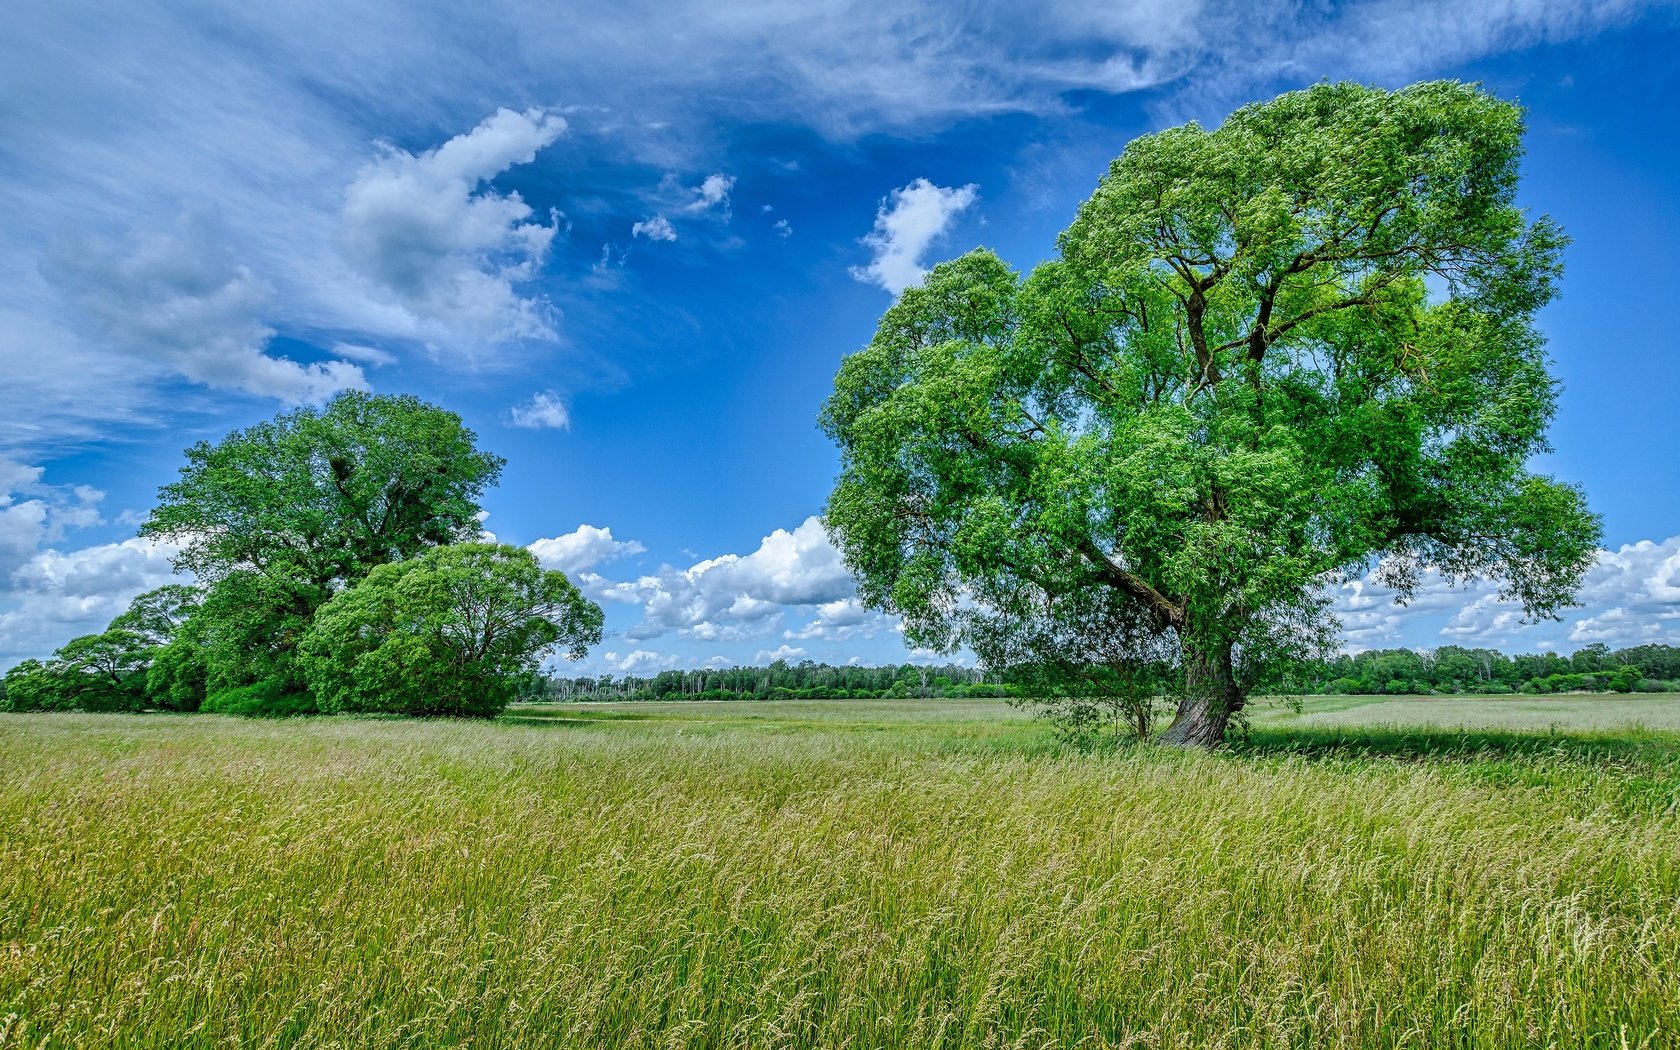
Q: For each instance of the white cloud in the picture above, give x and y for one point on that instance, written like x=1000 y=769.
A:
x=712 y=195
x=367 y=355
x=427 y=230
x=544 y=410
x=33 y=513
x=783 y=228
x=734 y=597
x=1631 y=595
x=790 y=653
x=658 y=228
x=15 y=476
x=56 y=596
x=583 y=548
x=178 y=302
x=906 y=225
x=843 y=621
x=638 y=661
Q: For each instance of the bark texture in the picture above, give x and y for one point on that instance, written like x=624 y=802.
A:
x=1211 y=697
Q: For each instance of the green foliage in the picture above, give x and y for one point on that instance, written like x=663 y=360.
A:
x=111 y=670
x=158 y=615
x=178 y=678
x=269 y=698
x=455 y=631
x=324 y=495
x=1268 y=354
x=1454 y=669
x=35 y=686
x=276 y=519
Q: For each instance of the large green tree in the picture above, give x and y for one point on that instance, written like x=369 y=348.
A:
x=1268 y=355
x=455 y=631
x=276 y=519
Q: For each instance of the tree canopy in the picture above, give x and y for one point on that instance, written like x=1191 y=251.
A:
x=324 y=495
x=276 y=519
x=1267 y=356
x=450 y=632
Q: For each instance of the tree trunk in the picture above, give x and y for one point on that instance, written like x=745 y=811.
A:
x=1211 y=697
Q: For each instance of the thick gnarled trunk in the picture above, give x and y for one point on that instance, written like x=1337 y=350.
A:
x=1211 y=697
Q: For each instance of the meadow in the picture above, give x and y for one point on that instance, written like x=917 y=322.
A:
x=1364 y=872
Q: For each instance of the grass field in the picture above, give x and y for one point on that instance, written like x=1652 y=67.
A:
x=1368 y=872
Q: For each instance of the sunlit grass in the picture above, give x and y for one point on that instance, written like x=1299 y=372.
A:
x=861 y=874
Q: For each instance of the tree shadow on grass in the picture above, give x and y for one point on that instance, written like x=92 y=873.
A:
x=1636 y=747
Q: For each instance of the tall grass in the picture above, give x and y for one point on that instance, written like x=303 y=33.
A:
x=751 y=878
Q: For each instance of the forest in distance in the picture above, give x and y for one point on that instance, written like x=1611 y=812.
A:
x=1448 y=670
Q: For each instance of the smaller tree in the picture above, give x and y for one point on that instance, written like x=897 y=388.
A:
x=36 y=686
x=105 y=671
x=158 y=615
x=451 y=632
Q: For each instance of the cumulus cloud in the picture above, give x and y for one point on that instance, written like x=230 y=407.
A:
x=450 y=249
x=734 y=597
x=178 y=301
x=55 y=596
x=583 y=548
x=790 y=653
x=657 y=228
x=1631 y=595
x=638 y=661
x=48 y=596
x=33 y=513
x=783 y=228
x=906 y=225
x=843 y=621
x=544 y=410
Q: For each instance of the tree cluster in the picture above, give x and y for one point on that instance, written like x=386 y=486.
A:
x=1456 y=669
x=339 y=568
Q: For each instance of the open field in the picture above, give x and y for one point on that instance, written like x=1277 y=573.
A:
x=1370 y=872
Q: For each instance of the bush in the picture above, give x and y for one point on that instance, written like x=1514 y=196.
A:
x=453 y=632
x=270 y=698
x=177 y=678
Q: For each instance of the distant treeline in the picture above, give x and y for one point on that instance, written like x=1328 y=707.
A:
x=1449 y=669
x=783 y=681
x=1455 y=669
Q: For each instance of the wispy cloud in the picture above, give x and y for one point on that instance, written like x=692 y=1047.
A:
x=271 y=112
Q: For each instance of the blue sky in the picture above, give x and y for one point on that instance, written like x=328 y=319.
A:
x=631 y=248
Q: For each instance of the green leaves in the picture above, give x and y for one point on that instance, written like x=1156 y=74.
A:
x=448 y=633
x=1269 y=354
x=276 y=519
x=324 y=495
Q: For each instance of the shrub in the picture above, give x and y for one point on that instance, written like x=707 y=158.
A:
x=452 y=632
x=269 y=698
